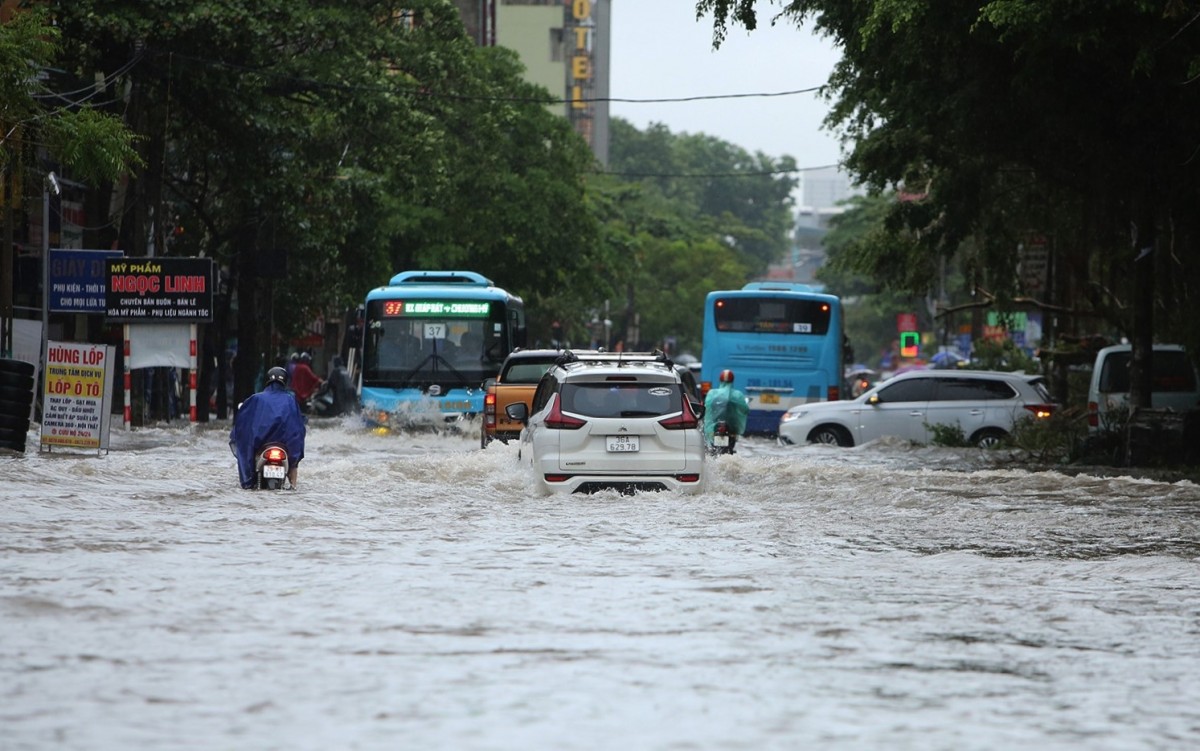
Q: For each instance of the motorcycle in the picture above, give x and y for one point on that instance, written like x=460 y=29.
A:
x=321 y=403
x=271 y=467
x=723 y=440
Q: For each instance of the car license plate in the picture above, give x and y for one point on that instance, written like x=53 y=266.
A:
x=622 y=443
x=769 y=398
x=721 y=440
x=274 y=471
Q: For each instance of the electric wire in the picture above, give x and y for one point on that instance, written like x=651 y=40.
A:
x=96 y=86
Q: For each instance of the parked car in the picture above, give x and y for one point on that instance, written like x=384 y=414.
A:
x=611 y=420
x=1173 y=383
x=516 y=381
x=984 y=404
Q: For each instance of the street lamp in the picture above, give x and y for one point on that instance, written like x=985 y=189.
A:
x=50 y=184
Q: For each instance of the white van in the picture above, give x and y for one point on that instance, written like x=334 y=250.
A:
x=1174 y=382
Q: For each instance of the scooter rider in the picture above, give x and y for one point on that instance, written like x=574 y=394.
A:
x=725 y=403
x=270 y=416
x=304 y=381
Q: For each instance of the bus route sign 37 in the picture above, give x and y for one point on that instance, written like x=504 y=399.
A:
x=159 y=290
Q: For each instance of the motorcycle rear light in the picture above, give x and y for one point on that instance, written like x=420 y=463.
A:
x=1041 y=411
x=685 y=420
x=558 y=421
x=557 y=478
x=276 y=456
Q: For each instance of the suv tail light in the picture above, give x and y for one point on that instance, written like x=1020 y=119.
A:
x=833 y=394
x=557 y=420
x=1041 y=411
x=1093 y=414
x=685 y=420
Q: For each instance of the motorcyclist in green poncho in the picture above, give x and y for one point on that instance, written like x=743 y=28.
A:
x=725 y=404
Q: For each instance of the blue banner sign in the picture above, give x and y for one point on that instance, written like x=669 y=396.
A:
x=77 y=280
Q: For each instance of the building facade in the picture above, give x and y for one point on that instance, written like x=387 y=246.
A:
x=564 y=45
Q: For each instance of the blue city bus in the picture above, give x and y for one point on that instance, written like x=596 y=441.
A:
x=430 y=339
x=784 y=343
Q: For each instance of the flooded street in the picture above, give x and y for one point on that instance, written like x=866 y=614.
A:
x=415 y=594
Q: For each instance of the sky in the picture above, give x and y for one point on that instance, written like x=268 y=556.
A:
x=660 y=50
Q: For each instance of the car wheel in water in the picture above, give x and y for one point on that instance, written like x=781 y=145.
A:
x=830 y=435
x=989 y=438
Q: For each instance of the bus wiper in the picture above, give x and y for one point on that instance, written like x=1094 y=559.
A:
x=436 y=358
x=409 y=375
x=446 y=364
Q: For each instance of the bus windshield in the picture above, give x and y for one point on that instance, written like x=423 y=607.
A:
x=414 y=342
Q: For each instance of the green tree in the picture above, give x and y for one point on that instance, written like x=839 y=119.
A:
x=70 y=132
x=743 y=198
x=329 y=146
x=870 y=306
x=683 y=215
x=1077 y=117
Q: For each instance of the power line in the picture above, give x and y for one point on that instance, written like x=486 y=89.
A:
x=764 y=173
x=700 y=98
x=422 y=91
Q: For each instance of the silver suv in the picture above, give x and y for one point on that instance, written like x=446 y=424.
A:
x=612 y=420
x=985 y=404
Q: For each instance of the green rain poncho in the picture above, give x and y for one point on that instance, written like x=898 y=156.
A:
x=725 y=403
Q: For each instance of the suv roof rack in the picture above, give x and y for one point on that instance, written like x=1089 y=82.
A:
x=618 y=358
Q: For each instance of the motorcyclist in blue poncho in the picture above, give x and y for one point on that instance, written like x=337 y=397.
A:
x=270 y=416
x=725 y=403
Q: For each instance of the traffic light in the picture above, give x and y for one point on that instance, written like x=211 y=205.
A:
x=909 y=343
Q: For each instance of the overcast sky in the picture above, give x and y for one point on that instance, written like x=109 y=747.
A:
x=659 y=50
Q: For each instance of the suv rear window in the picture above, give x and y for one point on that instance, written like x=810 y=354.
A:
x=604 y=399
x=1172 y=372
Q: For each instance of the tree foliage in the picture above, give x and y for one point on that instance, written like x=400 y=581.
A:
x=94 y=145
x=683 y=215
x=315 y=149
x=1070 y=119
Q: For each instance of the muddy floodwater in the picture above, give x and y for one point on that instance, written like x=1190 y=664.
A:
x=415 y=593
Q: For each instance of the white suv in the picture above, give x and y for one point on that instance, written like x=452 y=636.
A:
x=984 y=404
x=612 y=420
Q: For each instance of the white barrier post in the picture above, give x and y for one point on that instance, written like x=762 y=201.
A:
x=192 y=358
x=128 y=417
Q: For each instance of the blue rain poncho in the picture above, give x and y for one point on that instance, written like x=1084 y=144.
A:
x=270 y=416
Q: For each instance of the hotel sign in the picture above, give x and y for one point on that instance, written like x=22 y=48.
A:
x=579 y=31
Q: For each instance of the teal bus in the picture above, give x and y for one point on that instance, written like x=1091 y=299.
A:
x=429 y=341
x=782 y=340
